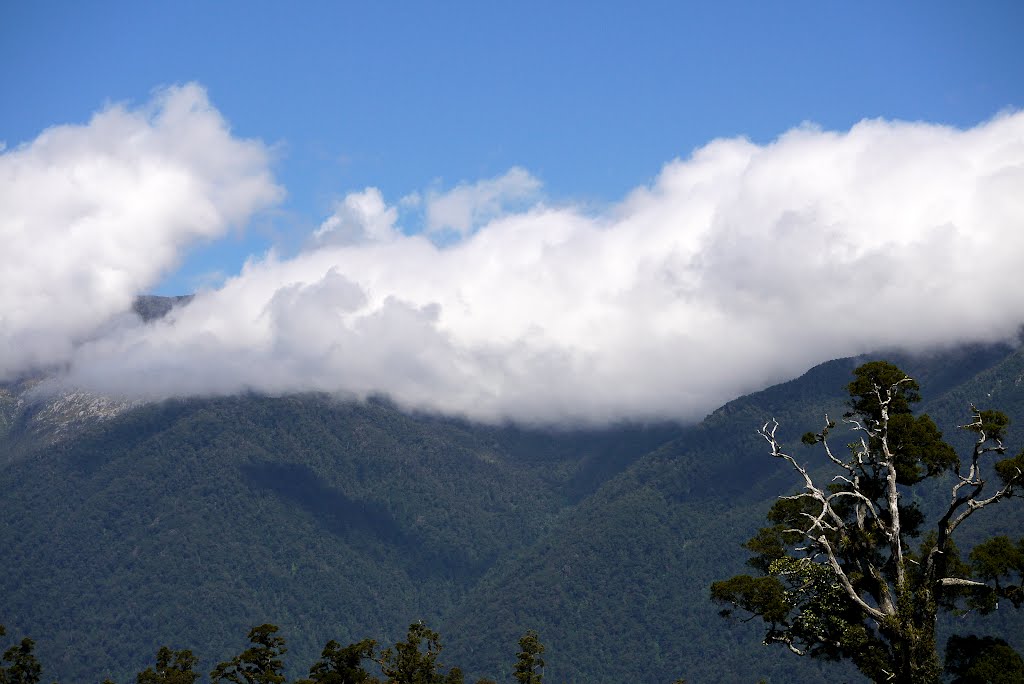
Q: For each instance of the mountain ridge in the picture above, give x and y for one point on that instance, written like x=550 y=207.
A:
x=187 y=521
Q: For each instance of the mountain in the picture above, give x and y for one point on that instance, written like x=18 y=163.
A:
x=151 y=307
x=186 y=522
x=621 y=585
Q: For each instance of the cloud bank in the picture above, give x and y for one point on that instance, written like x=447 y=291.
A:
x=737 y=267
x=91 y=215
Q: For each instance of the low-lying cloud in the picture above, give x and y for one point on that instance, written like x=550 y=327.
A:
x=740 y=266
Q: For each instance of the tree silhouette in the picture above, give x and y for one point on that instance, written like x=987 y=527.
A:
x=259 y=664
x=529 y=664
x=407 y=663
x=172 y=667
x=24 y=668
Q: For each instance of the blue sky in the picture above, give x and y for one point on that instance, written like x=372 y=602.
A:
x=541 y=212
x=591 y=98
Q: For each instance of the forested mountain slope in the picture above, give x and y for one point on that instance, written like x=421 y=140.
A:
x=620 y=588
x=186 y=522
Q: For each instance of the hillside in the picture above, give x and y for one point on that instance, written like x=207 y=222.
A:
x=633 y=563
x=194 y=519
x=188 y=521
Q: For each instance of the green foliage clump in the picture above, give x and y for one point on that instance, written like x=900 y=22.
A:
x=261 y=663
x=415 y=660
x=172 y=667
x=344 y=664
x=23 y=667
x=982 y=660
x=1000 y=562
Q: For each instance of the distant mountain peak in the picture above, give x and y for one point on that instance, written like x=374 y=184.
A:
x=151 y=307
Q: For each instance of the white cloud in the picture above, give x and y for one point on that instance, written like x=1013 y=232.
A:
x=360 y=217
x=742 y=265
x=467 y=206
x=94 y=214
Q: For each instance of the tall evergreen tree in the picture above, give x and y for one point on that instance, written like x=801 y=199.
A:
x=529 y=663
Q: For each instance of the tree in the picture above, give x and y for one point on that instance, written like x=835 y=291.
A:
x=529 y=664
x=24 y=668
x=847 y=571
x=259 y=664
x=172 y=667
x=407 y=663
x=344 y=665
x=984 y=660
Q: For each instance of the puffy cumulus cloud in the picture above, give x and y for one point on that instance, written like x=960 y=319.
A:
x=94 y=214
x=739 y=266
x=359 y=217
x=466 y=206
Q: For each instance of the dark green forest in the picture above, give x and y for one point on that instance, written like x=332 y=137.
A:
x=185 y=523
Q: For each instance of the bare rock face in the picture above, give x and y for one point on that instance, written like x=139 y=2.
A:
x=151 y=307
x=67 y=413
x=30 y=413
